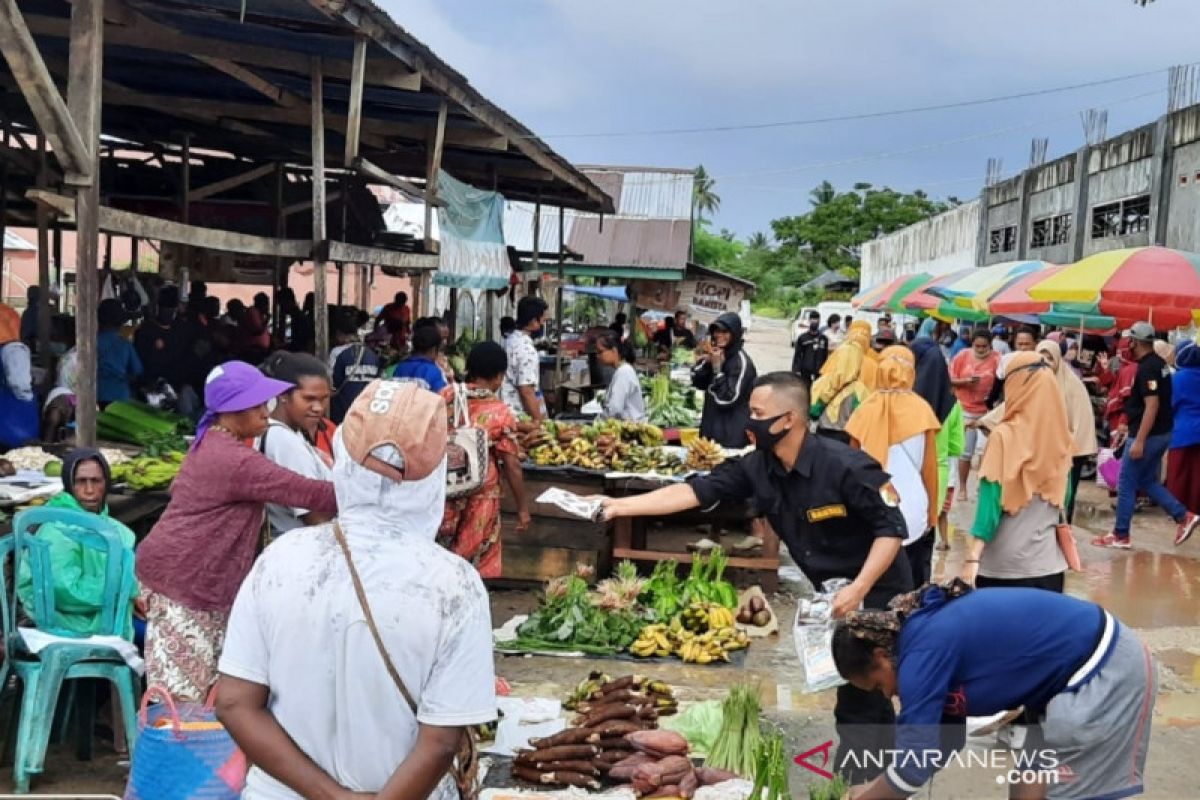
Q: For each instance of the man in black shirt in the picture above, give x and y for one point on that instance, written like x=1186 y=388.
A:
x=834 y=508
x=676 y=334
x=1148 y=408
x=812 y=349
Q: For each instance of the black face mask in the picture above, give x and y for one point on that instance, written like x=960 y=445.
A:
x=762 y=435
x=812 y=326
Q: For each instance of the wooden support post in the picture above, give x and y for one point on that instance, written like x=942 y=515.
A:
x=85 y=76
x=56 y=236
x=341 y=292
x=3 y=218
x=537 y=243
x=134 y=243
x=185 y=186
x=43 y=256
x=558 y=309
x=280 y=280
x=433 y=163
x=358 y=71
x=321 y=306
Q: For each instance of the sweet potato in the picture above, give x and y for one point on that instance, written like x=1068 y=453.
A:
x=623 y=770
x=659 y=742
x=568 y=752
x=674 y=769
x=689 y=784
x=710 y=776
x=666 y=791
x=568 y=736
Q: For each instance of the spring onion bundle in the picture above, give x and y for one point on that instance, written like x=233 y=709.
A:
x=737 y=745
x=771 y=769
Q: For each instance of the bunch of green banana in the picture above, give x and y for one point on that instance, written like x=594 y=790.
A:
x=146 y=473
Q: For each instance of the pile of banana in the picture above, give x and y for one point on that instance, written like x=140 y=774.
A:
x=704 y=454
x=700 y=634
x=610 y=445
x=146 y=473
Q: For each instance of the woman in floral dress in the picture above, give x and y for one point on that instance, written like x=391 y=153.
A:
x=471 y=527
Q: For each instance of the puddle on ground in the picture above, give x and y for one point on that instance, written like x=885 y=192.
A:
x=1143 y=589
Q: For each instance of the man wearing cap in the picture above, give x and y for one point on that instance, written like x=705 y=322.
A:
x=885 y=337
x=196 y=556
x=334 y=618
x=1148 y=436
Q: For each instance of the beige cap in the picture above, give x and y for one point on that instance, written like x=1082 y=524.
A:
x=400 y=414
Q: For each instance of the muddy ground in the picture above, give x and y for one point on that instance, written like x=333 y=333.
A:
x=1155 y=589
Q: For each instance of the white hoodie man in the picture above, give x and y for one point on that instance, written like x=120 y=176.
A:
x=304 y=690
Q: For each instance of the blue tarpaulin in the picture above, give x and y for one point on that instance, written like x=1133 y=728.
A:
x=614 y=293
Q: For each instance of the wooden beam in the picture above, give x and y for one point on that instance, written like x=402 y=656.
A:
x=43 y=257
x=320 y=303
x=146 y=34
x=219 y=187
x=305 y=205
x=434 y=148
x=43 y=97
x=276 y=94
x=379 y=175
x=156 y=229
x=85 y=73
x=378 y=256
x=354 y=111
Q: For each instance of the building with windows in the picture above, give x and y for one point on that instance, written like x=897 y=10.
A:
x=1136 y=189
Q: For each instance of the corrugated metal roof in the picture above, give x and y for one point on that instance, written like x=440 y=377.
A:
x=651 y=229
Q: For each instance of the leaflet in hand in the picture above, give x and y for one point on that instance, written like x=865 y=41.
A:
x=586 y=508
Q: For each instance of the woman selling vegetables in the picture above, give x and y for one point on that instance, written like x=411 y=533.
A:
x=623 y=399
x=195 y=558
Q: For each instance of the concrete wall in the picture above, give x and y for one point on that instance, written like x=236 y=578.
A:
x=1183 y=221
x=938 y=245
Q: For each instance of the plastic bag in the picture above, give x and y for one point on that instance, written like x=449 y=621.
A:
x=813 y=632
x=700 y=724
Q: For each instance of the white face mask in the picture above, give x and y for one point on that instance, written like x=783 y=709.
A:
x=272 y=404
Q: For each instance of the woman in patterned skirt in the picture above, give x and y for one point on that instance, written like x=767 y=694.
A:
x=471 y=527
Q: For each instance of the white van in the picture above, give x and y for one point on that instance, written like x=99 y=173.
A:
x=842 y=308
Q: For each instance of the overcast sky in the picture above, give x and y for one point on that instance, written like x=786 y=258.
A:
x=605 y=66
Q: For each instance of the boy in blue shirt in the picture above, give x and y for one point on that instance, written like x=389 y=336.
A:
x=422 y=366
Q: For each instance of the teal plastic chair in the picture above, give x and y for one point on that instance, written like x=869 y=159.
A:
x=44 y=673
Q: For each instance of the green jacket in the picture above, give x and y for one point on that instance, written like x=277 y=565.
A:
x=78 y=576
x=950 y=441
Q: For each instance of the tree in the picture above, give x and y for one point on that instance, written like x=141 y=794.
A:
x=705 y=200
x=833 y=231
x=758 y=241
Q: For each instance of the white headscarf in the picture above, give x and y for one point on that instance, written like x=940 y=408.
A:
x=371 y=504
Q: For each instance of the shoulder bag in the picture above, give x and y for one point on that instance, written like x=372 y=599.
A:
x=466 y=450
x=465 y=768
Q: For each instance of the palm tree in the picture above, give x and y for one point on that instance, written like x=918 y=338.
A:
x=705 y=200
x=758 y=241
x=823 y=194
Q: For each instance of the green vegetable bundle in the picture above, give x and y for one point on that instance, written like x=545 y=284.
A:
x=571 y=617
x=771 y=770
x=668 y=403
x=738 y=745
x=706 y=584
x=137 y=423
x=663 y=593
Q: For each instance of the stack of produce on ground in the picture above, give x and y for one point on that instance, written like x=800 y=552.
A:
x=755 y=611
x=670 y=404
x=736 y=747
x=148 y=473
x=692 y=618
x=140 y=424
x=31 y=458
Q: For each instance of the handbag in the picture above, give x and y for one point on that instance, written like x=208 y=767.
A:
x=466 y=450
x=183 y=752
x=1066 y=543
x=465 y=769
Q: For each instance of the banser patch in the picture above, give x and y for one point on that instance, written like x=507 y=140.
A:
x=826 y=512
x=890 y=497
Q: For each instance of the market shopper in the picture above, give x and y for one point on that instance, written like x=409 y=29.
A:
x=18 y=403
x=833 y=330
x=933 y=384
x=1023 y=478
x=972 y=374
x=726 y=375
x=1081 y=419
x=471 y=527
x=897 y=428
x=421 y=366
x=840 y=388
x=332 y=619
x=1025 y=340
x=833 y=507
x=202 y=547
x=1183 y=459
x=352 y=365
x=79 y=572
x=949 y=653
x=291 y=434
x=623 y=397
x=1150 y=420
x=522 y=381
x=675 y=334
x=117 y=363
x=812 y=350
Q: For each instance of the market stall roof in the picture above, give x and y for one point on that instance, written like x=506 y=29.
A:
x=237 y=79
x=618 y=294
x=832 y=280
x=649 y=236
x=699 y=270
